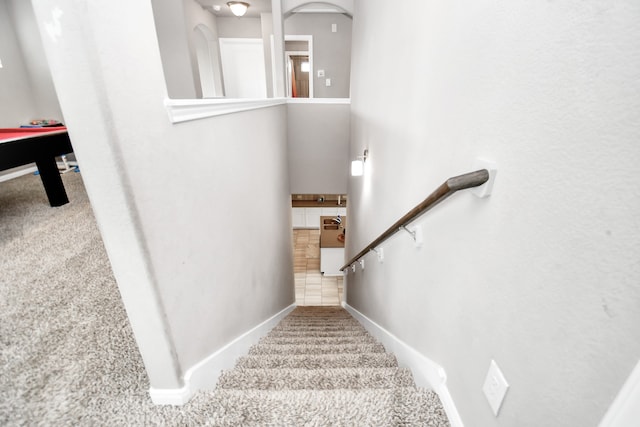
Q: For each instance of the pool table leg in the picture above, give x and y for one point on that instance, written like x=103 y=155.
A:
x=52 y=181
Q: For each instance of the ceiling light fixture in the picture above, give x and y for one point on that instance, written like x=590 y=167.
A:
x=238 y=8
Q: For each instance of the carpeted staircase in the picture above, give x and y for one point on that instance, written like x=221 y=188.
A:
x=68 y=356
x=320 y=367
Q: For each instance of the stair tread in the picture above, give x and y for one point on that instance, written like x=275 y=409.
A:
x=319 y=361
x=316 y=379
x=400 y=406
x=316 y=349
x=319 y=334
x=319 y=366
x=318 y=330
x=320 y=325
x=313 y=340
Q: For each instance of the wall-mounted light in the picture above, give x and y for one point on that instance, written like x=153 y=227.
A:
x=357 y=166
x=238 y=8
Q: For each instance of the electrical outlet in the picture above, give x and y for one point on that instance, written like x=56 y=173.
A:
x=495 y=387
x=327 y=82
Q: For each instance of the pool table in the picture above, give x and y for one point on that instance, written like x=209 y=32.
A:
x=21 y=146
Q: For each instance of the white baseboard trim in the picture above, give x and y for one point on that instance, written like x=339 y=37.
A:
x=170 y=396
x=204 y=375
x=625 y=409
x=426 y=372
x=17 y=173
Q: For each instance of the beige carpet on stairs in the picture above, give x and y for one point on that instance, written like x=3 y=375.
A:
x=68 y=356
x=320 y=367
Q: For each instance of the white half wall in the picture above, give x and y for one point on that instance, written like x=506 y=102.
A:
x=195 y=265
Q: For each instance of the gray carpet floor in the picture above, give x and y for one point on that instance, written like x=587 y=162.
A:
x=68 y=356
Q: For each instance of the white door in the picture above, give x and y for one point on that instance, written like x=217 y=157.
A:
x=243 y=68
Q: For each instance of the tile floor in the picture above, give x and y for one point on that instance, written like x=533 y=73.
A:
x=312 y=288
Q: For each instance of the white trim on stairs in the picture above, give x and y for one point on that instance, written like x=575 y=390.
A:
x=204 y=375
x=426 y=372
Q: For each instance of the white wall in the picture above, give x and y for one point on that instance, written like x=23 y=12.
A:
x=16 y=98
x=46 y=99
x=197 y=262
x=331 y=51
x=26 y=89
x=175 y=23
x=240 y=28
x=173 y=38
x=318 y=140
x=542 y=276
x=196 y=15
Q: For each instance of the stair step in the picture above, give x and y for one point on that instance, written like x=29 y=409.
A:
x=320 y=379
x=341 y=316
x=319 y=367
x=316 y=349
x=320 y=323
x=326 y=331
x=311 y=329
x=337 y=333
x=340 y=408
x=313 y=340
x=316 y=311
x=370 y=360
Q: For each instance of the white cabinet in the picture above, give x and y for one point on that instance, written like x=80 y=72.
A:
x=306 y=217
x=298 y=218
x=312 y=217
x=331 y=259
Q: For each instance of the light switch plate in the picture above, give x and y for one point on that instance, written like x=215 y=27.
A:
x=495 y=387
x=327 y=82
x=320 y=73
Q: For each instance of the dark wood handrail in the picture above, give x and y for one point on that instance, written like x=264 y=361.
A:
x=450 y=186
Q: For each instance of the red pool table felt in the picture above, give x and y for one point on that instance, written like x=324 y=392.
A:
x=18 y=133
